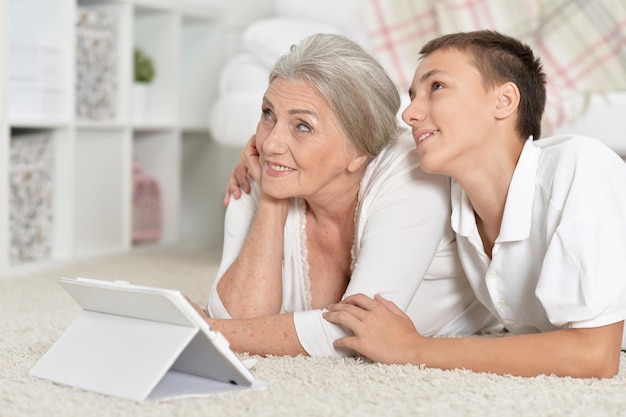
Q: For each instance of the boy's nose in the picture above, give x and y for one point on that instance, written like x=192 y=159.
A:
x=414 y=113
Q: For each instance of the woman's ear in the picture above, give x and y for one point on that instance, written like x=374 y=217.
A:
x=358 y=160
x=508 y=100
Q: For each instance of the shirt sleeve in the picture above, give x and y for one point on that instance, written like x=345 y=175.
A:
x=583 y=282
x=403 y=216
x=583 y=279
x=406 y=216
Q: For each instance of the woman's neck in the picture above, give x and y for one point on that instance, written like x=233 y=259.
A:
x=336 y=207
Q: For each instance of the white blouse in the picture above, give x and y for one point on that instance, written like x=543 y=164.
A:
x=404 y=249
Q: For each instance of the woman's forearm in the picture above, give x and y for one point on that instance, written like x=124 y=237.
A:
x=252 y=286
x=267 y=335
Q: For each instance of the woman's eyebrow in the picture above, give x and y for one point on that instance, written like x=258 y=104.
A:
x=302 y=111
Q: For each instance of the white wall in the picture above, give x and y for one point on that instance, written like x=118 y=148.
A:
x=205 y=164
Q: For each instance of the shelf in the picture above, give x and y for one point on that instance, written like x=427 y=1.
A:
x=39 y=56
x=199 y=56
x=66 y=71
x=159 y=154
x=156 y=33
x=102 y=201
x=40 y=182
x=103 y=62
x=39 y=123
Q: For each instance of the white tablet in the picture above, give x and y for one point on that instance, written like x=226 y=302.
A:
x=132 y=341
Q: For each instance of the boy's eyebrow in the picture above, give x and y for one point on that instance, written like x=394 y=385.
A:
x=426 y=76
x=430 y=73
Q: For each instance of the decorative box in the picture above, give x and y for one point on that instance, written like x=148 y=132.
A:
x=96 y=64
x=31 y=196
x=36 y=83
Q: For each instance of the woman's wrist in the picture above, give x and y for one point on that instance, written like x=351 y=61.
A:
x=274 y=206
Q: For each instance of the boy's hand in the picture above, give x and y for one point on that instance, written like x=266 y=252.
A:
x=248 y=166
x=382 y=331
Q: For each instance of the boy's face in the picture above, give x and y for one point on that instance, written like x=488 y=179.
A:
x=451 y=113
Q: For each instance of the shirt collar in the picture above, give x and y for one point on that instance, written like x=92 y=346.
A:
x=517 y=216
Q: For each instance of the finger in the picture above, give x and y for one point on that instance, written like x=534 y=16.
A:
x=230 y=193
x=351 y=309
x=242 y=180
x=362 y=301
x=245 y=184
x=232 y=187
x=390 y=305
x=254 y=172
x=344 y=317
x=348 y=342
x=235 y=193
x=195 y=306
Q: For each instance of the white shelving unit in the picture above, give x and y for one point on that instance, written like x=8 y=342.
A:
x=91 y=208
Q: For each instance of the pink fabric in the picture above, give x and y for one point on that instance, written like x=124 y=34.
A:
x=582 y=44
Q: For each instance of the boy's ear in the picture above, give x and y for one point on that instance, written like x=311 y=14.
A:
x=508 y=100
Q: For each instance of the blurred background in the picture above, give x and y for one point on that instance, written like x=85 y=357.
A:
x=121 y=119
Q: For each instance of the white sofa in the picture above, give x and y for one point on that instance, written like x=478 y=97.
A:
x=602 y=116
x=235 y=113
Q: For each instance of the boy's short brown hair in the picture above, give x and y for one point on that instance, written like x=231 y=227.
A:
x=501 y=58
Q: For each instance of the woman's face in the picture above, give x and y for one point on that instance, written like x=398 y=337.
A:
x=303 y=152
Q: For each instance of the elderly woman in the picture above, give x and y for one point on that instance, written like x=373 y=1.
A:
x=338 y=206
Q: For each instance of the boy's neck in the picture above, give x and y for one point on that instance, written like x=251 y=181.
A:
x=487 y=189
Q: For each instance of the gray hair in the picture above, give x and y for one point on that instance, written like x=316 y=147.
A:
x=360 y=94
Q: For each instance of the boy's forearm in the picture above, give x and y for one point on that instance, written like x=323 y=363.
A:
x=584 y=353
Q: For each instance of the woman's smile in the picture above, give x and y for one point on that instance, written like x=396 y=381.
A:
x=277 y=170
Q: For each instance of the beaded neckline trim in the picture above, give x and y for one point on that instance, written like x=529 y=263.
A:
x=304 y=251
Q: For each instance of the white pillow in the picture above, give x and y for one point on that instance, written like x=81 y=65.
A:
x=243 y=72
x=233 y=117
x=269 y=39
x=346 y=15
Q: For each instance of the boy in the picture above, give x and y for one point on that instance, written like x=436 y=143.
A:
x=540 y=225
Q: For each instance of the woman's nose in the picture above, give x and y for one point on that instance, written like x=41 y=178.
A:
x=275 y=140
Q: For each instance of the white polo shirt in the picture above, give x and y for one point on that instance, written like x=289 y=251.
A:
x=560 y=258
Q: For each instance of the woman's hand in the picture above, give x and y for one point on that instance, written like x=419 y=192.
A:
x=382 y=331
x=248 y=165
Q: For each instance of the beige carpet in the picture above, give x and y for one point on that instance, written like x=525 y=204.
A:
x=34 y=311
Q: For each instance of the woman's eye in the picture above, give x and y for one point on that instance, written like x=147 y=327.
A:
x=265 y=114
x=303 y=127
x=436 y=86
